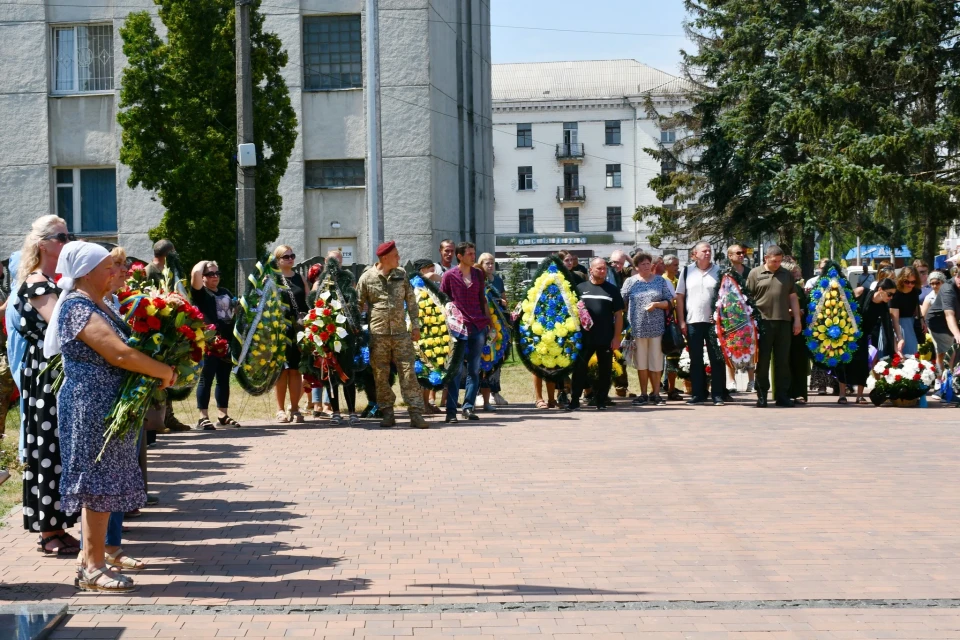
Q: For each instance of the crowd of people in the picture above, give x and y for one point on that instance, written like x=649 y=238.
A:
x=64 y=309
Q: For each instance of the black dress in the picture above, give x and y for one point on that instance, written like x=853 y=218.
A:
x=295 y=295
x=876 y=327
x=41 y=478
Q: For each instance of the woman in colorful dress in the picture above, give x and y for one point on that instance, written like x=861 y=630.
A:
x=648 y=298
x=36 y=299
x=92 y=339
x=295 y=295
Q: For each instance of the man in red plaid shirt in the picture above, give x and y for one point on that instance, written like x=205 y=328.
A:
x=466 y=286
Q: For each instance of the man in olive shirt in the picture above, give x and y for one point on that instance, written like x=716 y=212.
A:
x=775 y=296
x=384 y=288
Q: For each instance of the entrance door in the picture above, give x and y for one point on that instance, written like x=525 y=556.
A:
x=571 y=179
x=570 y=133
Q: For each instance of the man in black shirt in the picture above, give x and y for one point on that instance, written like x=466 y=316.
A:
x=605 y=304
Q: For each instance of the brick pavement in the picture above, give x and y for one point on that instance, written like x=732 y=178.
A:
x=660 y=504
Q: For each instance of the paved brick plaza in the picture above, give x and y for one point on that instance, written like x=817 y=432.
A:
x=542 y=525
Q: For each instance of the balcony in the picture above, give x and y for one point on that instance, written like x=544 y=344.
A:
x=571 y=195
x=570 y=151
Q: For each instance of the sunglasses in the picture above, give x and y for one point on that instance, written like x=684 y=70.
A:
x=62 y=238
x=738 y=253
x=288 y=256
x=910 y=282
x=212 y=274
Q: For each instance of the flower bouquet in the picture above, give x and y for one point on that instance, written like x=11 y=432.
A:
x=683 y=364
x=169 y=329
x=498 y=345
x=902 y=380
x=323 y=339
x=260 y=332
x=548 y=331
x=832 y=319
x=217 y=348
x=737 y=321
x=438 y=351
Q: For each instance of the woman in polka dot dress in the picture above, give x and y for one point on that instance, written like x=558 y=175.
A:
x=36 y=299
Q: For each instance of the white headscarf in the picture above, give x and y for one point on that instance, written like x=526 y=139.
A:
x=77 y=259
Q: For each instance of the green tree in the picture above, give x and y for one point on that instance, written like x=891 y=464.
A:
x=513 y=283
x=813 y=116
x=178 y=118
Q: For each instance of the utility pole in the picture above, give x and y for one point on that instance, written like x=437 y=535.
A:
x=374 y=150
x=246 y=165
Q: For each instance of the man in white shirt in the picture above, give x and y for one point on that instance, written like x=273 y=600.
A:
x=696 y=291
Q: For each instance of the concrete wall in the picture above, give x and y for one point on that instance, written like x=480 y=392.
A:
x=425 y=136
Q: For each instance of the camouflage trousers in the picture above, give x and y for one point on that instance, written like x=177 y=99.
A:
x=399 y=351
x=6 y=390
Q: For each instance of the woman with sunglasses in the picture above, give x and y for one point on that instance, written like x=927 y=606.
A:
x=216 y=304
x=904 y=308
x=36 y=299
x=875 y=320
x=934 y=317
x=295 y=294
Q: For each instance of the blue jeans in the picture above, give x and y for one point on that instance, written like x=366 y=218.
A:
x=474 y=348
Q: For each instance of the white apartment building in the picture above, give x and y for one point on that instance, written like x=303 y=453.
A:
x=570 y=170
x=60 y=70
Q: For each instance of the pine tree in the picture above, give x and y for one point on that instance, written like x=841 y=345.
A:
x=178 y=118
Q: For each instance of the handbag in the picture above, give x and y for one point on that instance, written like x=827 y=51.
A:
x=672 y=342
x=300 y=315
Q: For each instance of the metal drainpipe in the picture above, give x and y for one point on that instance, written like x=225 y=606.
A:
x=636 y=138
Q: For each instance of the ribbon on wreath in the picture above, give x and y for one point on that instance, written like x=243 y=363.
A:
x=248 y=339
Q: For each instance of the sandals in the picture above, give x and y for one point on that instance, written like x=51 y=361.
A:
x=121 y=560
x=552 y=404
x=296 y=416
x=354 y=420
x=861 y=400
x=228 y=421
x=335 y=420
x=204 y=424
x=282 y=417
x=102 y=580
x=65 y=550
x=542 y=405
x=842 y=400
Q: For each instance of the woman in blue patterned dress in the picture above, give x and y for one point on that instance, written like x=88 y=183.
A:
x=92 y=339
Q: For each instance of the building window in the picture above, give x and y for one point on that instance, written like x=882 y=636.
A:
x=524 y=178
x=525 y=135
x=668 y=136
x=526 y=220
x=332 y=57
x=613 y=176
x=614 y=219
x=329 y=174
x=667 y=166
x=571 y=220
x=83 y=58
x=570 y=131
x=87 y=199
x=612 y=135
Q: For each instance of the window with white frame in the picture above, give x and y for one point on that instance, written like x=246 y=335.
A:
x=87 y=199
x=524 y=178
x=83 y=58
x=668 y=136
x=613 y=176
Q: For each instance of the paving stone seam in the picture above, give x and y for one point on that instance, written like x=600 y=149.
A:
x=482 y=607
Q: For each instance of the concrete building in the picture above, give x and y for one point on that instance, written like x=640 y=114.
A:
x=60 y=69
x=570 y=168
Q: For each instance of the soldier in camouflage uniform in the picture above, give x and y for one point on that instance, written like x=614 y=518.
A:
x=384 y=288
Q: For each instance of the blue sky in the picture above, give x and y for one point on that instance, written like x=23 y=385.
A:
x=636 y=16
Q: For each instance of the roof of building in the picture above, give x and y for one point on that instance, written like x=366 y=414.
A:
x=586 y=79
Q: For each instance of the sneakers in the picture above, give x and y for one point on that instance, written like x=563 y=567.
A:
x=354 y=420
x=675 y=395
x=751 y=386
x=468 y=414
x=570 y=408
x=639 y=401
x=657 y=399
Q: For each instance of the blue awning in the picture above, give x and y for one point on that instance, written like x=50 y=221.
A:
x=879 y=251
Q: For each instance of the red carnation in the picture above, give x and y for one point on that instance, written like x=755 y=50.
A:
x=196 y=354
x=327 y=312
x=210 y=327
x=141 y=310
x=331 y=328
x=140 y=326
x=185 y=331
x=159 y=303
x=898 y=378
x=320 y=302
x=324 y=336
x=886 y=371
x=153 y=322
x=312 y=315
x=916 y=377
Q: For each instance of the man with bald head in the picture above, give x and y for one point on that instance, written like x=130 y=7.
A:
x=615 y=268
x=605 y=305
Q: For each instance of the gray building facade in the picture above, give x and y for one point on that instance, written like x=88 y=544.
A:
x=60 y=70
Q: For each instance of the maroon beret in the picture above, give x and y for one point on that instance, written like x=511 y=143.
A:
x=386 y=248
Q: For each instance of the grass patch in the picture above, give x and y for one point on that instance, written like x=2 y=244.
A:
x=11 y=491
